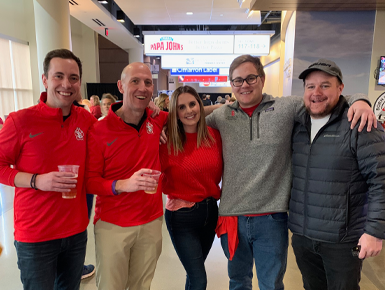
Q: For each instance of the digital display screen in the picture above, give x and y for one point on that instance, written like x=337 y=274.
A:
x=381 y=76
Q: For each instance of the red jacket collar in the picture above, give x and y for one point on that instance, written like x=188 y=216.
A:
x=51 y=112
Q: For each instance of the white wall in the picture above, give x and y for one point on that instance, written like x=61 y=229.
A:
x=378 y=49
x=85 y=46
x=289 y=55
x=271 y=65
x=271 y=86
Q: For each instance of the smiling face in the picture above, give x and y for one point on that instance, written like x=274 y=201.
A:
x=188 y=112
x=62 y=84
x=322 y=92
x=247 y=95
x=136 y=86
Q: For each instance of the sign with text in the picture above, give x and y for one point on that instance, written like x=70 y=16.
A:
x=198 y=60
x=218 y=84
x=188 y=44
x=201 y=71
x=201 y=79
x=257 y=44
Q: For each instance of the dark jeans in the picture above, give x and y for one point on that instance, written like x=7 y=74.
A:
x=90 y=202
x=327 y=266
x=55 y=264
x=192 y=232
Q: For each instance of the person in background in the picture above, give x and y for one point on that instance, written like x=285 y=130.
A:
x=337 y=203
x=95 y=106
x=218 y=101
x=50 y=232
x=106 y=102
x=206 y=101
x=208 y=97
x=192 y=169
x=163 y=102
x=256 y=182
x=227 y=98
x=1 y=123
x=128 y=221
x=233 y=99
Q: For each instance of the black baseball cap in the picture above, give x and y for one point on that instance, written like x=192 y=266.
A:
x=324 y=65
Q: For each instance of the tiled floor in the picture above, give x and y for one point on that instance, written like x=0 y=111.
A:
x=169 y=274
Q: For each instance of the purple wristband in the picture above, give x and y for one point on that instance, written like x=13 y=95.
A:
x=113 y=187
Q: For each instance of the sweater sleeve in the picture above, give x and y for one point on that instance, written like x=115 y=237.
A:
x=95 y=183
x=351 y=99
x=371 y=162
x=10 y=148
x=211 y=121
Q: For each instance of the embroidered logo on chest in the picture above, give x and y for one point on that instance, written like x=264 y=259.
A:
x=149 y=128
x=79 y=134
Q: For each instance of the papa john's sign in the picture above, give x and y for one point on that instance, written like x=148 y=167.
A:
x=188 y=44
x=255 y=44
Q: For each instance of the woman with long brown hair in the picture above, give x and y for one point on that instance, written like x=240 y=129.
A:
x=192 y=169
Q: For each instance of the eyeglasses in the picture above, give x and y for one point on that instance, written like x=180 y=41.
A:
x=251 y=79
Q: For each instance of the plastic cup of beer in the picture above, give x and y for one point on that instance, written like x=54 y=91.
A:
x=72 y=169
x=155 y=174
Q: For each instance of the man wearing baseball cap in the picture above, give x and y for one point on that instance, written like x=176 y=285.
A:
x=337 y=204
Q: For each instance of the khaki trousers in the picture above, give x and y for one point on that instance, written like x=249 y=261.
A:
x=126 y=257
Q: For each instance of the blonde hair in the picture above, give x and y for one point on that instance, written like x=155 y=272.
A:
x=86 y=102
x=96 y=100
x=176 y=134
x=161 y=103
x=108 y=96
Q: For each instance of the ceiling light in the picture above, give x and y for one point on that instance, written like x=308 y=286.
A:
x=103 y=1
x=137 y=35
x=249 y=12
x=189 y=13
x=120 y=16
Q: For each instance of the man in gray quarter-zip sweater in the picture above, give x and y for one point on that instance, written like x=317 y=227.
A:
x=338 y=195
x=256 y=136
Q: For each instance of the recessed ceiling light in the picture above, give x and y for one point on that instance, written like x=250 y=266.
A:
x=137 y=35
x=103 y=2
x=189 y=13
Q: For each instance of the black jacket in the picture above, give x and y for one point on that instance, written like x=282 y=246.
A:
x=338 y=190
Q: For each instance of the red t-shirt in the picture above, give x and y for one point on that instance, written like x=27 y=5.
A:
x=36 y=140
x=116 y=151
x=194 y=174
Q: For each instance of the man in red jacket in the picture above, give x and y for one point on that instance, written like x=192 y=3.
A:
x=121 y=148
x=50 y=232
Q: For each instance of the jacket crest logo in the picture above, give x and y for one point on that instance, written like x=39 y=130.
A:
x=79 y=134
x=149 y=128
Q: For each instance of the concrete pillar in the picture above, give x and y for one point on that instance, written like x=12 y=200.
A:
x=53 y=29
x=135 y=55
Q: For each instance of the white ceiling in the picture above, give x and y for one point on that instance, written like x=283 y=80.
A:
x=173 y=12
x=86 y=10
